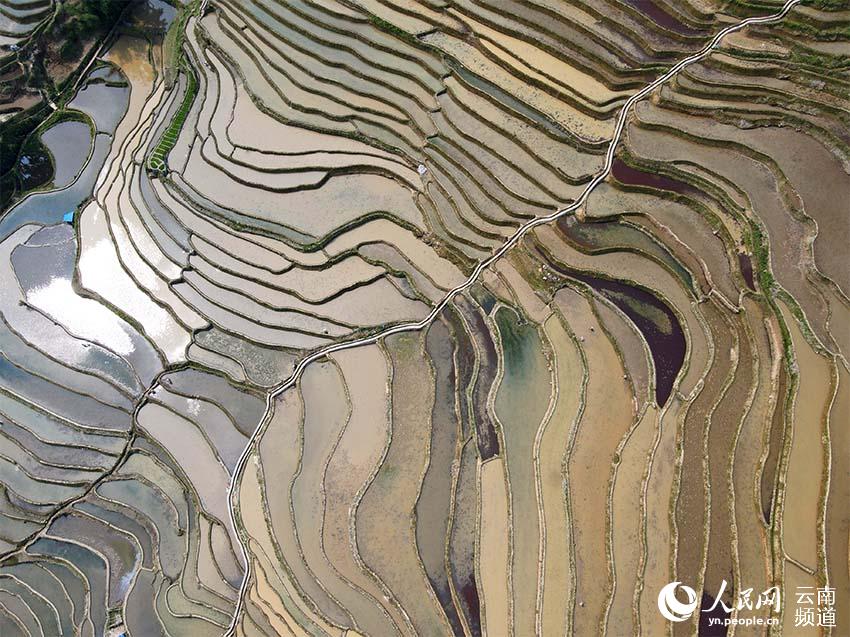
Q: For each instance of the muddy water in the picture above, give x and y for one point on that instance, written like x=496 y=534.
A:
x=628 y=524
x=494 y=542
x=693 y=500
x=752 y=547
x=777 y=427
x=607 y=415
x=661 y=17
x=299 y=502
x=520 y=404
x=462 y=540
x=746 y=266
x=385 y=515
x=433 y=507
x=803 y=479
x=558 y=577
x=722 y=434
x=634 y=177
x=608 y=235
x=358 y=453
x=487 y=438
x=655 y=320
x=837 y=517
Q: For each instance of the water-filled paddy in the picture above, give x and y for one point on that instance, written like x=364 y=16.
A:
x=609 y=407
x=67 y=142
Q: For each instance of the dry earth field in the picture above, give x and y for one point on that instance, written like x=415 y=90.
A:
x=305 y=358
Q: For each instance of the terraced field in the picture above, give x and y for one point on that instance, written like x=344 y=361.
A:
x=449 y=317
x=18 y=18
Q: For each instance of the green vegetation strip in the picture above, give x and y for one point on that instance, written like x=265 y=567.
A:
x=158 y=159
x=174 y=39
x=175 y=61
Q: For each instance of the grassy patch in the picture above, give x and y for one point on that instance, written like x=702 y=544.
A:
x=828 y=5
x=819 y=61
x=173 y=43
x=389 y=27
x=818 y=32
x=761 y=253
x=158 y=159
x=175 y=63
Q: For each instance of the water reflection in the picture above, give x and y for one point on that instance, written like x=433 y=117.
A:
x=34 y=169
x=69 y=142
x=106 y=105
x=154 y=15
x=658 y=324
x=655 y=320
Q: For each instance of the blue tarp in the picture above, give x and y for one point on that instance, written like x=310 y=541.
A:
x=68 y=217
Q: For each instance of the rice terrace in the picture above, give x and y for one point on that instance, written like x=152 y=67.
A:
x=421 y=318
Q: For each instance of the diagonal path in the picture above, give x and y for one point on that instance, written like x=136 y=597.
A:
x=483 y=265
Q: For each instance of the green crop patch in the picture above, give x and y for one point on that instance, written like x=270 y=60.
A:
x=158 y=160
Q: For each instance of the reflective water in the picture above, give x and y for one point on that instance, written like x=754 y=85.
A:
x=50 y=207
x=69 y=142
x=154 y=15
x=106 y=105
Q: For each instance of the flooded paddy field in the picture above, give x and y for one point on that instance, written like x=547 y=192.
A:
x=253 y=381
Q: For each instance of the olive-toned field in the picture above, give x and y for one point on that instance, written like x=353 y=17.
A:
x=268 y=367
